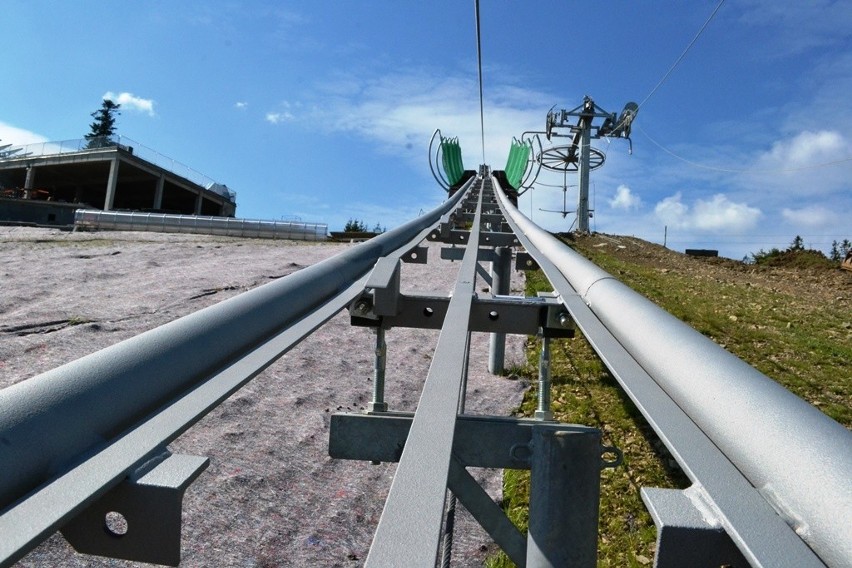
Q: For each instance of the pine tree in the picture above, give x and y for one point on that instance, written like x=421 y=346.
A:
x=797 y=244
x=834 y=255
x=103 y=128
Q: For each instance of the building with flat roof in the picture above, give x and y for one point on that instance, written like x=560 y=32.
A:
x=110 y=174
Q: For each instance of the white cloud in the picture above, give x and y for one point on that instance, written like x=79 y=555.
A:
x=806 y=150
x=798 y=26
x=807 y=163
x=18 y=136
x=814 y=216
x=401 y=111
x=279 y=117
x=672 y=211
x=131 y=102
x=719 y=213
x=242 y=105
x=284 y=115
x=625 y=199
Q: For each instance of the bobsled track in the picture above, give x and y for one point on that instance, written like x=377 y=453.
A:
x=83 y=448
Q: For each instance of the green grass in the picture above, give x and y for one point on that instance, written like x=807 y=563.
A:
x=803 y=345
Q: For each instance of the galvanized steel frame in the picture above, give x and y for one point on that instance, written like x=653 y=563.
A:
x=157 y=385
x=779 y=496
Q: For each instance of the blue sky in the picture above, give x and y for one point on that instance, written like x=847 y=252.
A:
x=323 y=110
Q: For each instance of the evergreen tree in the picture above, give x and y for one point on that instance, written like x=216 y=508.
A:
x=103 y=127
x=834 y=255
x=797 y=244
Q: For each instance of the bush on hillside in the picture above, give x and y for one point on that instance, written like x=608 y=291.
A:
x=794 y=256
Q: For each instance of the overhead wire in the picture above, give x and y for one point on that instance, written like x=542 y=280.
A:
x=682 y=55
x=703 y=166
x=479 y=64
x=741 y=171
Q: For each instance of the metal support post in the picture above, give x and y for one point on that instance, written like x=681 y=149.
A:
x=564 y=495
x=583 y=170
x=378 y=404
x=501 y=275
x=543 y=411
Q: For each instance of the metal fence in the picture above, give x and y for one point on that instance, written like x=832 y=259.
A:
x=198 y=224
x=770 y=474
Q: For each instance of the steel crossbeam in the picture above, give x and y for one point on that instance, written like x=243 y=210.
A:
x=491 y=314
x=408 y=533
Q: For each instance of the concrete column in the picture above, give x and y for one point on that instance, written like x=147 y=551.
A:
x=112 y=182
x=198 y=199
x=29 y=182
x=158 y=193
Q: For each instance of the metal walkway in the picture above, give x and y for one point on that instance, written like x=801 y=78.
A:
x=764 y=493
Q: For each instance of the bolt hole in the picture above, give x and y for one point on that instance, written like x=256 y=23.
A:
x=493 y=315
x=428 y=312
x=611 y=457
x=115 y=524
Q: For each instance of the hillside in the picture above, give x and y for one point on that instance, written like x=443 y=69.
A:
x=793 y=324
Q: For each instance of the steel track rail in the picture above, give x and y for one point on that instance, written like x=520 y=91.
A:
x=409 y=529
x=770 y=468
x=769 y=471
x=107 y=414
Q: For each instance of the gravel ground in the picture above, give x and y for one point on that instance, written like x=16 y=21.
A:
x=271 y=496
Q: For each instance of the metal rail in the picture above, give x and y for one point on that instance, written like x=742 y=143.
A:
x=769 y=467
x=91 y=436
x=119 y=407
x=198 y=224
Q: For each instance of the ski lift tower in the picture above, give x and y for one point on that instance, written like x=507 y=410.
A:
x=580 y=155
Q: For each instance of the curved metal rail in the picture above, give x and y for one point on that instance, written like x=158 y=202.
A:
x=436 y=171
x=534 y=165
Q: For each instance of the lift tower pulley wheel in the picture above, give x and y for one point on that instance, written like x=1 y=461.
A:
x=566 y=159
